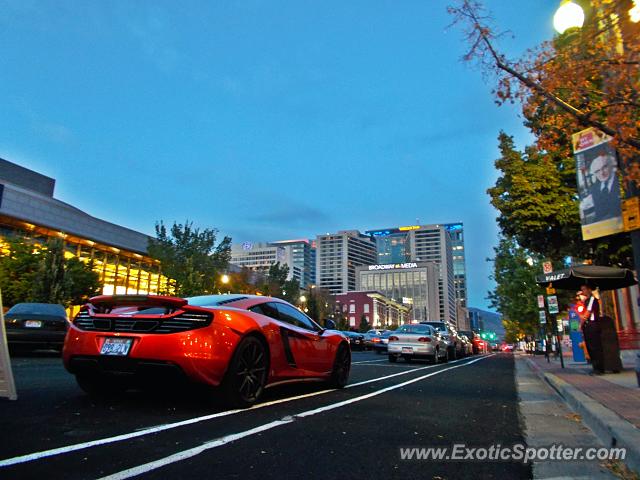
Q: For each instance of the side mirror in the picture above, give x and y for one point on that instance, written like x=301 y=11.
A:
x=329 y=324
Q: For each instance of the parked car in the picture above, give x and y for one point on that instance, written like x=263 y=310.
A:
x=454 y=348
x=36 y=326
x=356 y=340
x=506 y=347
x=372 y=337
x=417 y=341
x=240 y=343
x=465 y=343
x=473 y=341
x=381 y=345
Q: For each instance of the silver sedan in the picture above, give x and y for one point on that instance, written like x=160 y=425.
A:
x=417 y=341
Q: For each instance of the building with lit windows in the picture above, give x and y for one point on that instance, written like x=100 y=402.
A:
x=414 y=284
x=422 y=243
x=259 y=257
x=378 y=310
x=302 y=259
x=456 y=231
x=337 y=257
x=119 y=254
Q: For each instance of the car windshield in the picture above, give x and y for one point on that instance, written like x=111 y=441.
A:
x=414 y=328
x=38 y=309
x=214 y=300
x=441 y=327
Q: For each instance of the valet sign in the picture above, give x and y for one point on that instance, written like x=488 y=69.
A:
x=393 y=266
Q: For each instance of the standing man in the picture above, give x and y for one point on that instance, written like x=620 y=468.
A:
x=605 y=192
x=589 y=323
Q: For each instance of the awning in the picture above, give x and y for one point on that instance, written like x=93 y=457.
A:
x=605 y=278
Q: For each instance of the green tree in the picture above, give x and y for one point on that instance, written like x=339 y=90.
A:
x=80 y=281
x=275 y=284
x=49 y=285
x=31 y=273
x=516 y=290
x=537 y=202
x=190 y=257
x=320 y=304
x=18 y=267
x=364 y=324
x=342 y=323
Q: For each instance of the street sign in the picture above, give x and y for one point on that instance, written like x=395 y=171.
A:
x=552 y=301
x=559 y=326
x=540 y=301
x=547 y=267
x=551 y=291
x=543 y=317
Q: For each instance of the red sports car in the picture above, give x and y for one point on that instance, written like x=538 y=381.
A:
x=240 y=343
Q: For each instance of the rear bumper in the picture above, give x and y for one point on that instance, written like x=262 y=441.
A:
x=35 y=338
x=416 y=350
x=200 y=355
x=138 y=370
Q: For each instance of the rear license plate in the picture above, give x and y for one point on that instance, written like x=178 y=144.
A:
x=407 y=349
x=33 y=324
x=116 y=346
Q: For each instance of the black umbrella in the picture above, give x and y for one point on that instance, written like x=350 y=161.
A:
x=606 y=278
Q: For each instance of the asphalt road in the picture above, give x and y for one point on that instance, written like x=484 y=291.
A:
x=55 y=431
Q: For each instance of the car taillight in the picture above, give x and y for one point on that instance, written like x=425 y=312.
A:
x=375 y=340
x=393 y=339
x=424 y=339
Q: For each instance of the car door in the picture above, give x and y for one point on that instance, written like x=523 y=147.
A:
x=308 y=348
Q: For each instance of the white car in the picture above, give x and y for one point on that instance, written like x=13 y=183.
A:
x=417 y=341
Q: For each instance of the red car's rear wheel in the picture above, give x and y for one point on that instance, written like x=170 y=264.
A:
x=341 y=367
x=247 y=373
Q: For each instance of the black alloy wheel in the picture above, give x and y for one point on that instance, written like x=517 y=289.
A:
x=341 y=367
x=247 y=374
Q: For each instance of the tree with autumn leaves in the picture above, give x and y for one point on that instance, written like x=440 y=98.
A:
x=583 y=78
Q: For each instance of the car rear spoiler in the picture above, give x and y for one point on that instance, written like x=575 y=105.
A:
x=106 y=301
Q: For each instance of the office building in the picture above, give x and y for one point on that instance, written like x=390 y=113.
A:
x=456 y=231
x=28 y=209
x=259 y=257
x=422 y=243
x=378 y=310
x=414 y=284
x=337 y=257
x=302 y=259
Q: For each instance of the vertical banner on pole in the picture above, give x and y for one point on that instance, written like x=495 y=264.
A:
x=598 y=184
x=7 y=385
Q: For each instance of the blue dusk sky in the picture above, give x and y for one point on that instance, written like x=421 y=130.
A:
x=268 y=120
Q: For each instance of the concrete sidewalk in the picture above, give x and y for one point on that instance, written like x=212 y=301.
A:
x=609 y=404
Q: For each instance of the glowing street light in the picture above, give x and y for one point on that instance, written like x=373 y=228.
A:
x=303 y=298
x=634 y=13
x=569 y=15
x=224 y=279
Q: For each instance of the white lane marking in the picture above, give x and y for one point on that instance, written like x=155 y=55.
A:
x=192 y=452
x=168 y=426
x=370 y=361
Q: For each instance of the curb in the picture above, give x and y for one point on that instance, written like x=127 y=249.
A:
x=609 y=427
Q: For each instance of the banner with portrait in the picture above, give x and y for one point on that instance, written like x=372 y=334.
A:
x=598 y=184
